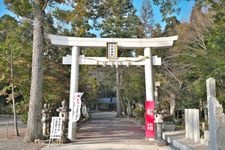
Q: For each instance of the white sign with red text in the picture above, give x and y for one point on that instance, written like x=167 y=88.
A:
x=149 y=119
x=76 y=106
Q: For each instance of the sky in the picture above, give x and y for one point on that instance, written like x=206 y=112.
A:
x=184 y=15
x=3 y=9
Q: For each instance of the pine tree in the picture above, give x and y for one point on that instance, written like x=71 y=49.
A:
x=115 y=18
x=147 y=18
x=77 y=17
x=35 y=12
x=118 y=19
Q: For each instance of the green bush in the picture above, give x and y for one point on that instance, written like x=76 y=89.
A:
x=168 y=118
x=139 y=112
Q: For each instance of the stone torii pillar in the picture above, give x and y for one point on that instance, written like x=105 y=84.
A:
x=74 y=77
x=148 y=74
x=149 y=103
x=123 y=43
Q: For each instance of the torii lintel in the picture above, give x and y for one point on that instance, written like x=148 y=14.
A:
x=124 y=43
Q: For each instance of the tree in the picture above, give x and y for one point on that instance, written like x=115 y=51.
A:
x=15 y=63
x=157 y=31
x=168 y=8
x=196 y=56
x=118 y=19
x=13 y=93
x=37 y=9
x=35 y=104
x=192 y=43
x=77 y=17
x=56 y=76
x=214 y=61
x=11 y=24
x=147 y=18
x=171 y=26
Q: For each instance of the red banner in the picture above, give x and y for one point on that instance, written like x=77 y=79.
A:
x=149 y=119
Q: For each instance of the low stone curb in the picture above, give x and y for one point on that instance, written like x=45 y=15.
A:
x=177 y=140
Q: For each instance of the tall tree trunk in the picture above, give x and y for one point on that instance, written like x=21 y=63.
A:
x=13 y=95
x=118 y=92
x=35 y=103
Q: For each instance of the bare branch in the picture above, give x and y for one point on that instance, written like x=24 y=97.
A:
x=173 y=75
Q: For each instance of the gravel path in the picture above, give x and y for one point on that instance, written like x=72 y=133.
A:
x=8 y=140
x=106 y=132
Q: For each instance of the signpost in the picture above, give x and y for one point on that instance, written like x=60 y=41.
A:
x=112 y=50
x=56 y=128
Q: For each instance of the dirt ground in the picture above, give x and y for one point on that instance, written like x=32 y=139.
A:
x=8 y=140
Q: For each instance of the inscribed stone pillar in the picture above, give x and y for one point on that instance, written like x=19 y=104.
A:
x=172 y=104
x=192 y=124
x=217 y=125
x=187 y=124
x=211 y=94
x=220 y=119
x=196 y=129
x=211 y=87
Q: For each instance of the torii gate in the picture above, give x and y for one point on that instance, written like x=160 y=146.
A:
x=123 y=43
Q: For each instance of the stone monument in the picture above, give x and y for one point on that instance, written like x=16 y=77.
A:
x=45 y=120
x=216 y=118
x=64 y=113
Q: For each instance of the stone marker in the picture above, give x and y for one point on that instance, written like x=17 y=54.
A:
x=216 y=118
x=192 y=124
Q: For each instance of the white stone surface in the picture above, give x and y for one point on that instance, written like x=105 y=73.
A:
x=73 y=88
x=192 y=124
x=187 y=123
x=125 y=43
x=216 y=117
x=220 y=117
x=196 y=123
x=211 y=87
x=211 y=94
x=148 y=75
x=216 y=124
x=178 y=141
x=172 y=104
